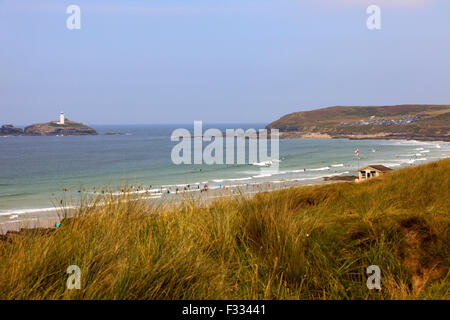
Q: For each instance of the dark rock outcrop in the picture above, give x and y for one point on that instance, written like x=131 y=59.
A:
x=10 y=130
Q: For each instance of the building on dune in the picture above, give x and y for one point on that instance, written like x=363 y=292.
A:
x=372 y=171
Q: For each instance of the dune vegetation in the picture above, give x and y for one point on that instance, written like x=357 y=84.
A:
x=312 y=242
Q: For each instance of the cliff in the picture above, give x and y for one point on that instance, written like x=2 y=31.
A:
x=421 y=122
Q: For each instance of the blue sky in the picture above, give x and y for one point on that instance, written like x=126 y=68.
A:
x=217 y=61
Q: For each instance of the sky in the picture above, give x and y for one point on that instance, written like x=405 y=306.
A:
x=176 y=61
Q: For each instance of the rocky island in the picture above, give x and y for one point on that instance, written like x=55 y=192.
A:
x=63 y=127
x=69 y=128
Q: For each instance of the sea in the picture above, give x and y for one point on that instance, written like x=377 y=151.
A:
x=37 y=172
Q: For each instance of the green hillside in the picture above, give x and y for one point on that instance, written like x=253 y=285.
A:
x=426 y=121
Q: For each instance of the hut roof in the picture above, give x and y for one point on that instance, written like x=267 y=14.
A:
x=378 y=167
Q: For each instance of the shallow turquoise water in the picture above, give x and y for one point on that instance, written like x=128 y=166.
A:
x=35 y=170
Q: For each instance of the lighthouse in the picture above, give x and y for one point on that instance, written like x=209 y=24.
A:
x=61 y=118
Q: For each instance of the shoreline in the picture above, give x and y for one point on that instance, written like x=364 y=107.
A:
x=16 y=219
x=48 y=218
x=377 y=136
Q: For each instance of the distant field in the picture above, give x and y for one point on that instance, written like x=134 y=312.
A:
x=301 y=243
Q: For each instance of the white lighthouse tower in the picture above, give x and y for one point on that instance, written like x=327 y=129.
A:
x=61 y=118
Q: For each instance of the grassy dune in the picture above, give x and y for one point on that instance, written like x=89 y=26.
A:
x=301 y=243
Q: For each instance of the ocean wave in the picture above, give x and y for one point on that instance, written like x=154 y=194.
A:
x=319 y=177
x=263 y=175
x=319 y=169
x=389 y=165
x=241 y=179
x=297 y=171
x=32 y=210
x=232 y=179
x=262 y=164
x=280 y=172
x=337 y=165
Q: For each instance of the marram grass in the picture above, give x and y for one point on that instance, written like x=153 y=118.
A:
x=301 y=243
